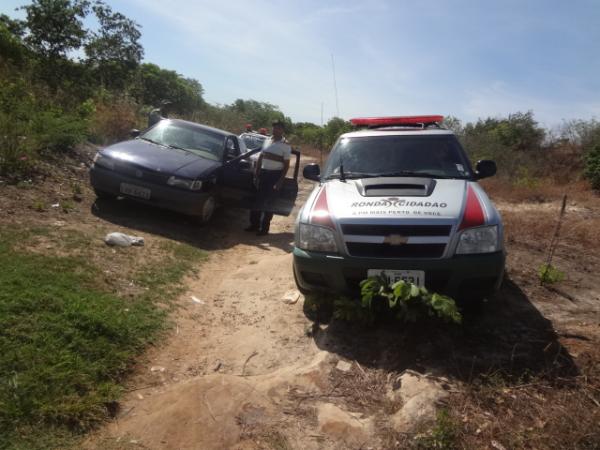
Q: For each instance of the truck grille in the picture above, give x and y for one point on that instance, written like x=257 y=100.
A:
x=433 y=249
x=404 y=230
x=369 y=250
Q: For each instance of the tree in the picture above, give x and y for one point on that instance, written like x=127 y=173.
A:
x=114 y=51
x=157 y=84
x=55 y=27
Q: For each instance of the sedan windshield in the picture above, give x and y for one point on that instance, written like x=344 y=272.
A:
x=187 y=137
x=371 y=156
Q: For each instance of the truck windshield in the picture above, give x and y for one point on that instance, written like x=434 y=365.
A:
x=369 y=156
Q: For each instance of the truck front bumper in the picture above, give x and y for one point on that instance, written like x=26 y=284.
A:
x=461 y=277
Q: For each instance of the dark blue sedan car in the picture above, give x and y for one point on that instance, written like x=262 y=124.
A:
x=184 y=167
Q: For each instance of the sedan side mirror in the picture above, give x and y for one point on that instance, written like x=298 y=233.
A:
x=134 y=133
x=312 y=172
x=485 y=168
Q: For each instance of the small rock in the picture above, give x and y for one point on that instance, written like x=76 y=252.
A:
x=157 y=369
x=343 y=366
x=140 y=397
x=291 y=297
x=497 y=445
x=419 y=397
x=55 y=205
x=59 y=223
x=217 y=366
x=341 y=424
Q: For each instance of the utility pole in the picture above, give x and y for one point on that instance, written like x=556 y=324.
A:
x=337 y=105
x=321 y=113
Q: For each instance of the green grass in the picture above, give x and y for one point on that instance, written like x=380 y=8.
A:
x=66 y=343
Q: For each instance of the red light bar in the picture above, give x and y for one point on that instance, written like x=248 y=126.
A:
x=395 y=121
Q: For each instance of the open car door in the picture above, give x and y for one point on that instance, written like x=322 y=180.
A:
x=238 y=190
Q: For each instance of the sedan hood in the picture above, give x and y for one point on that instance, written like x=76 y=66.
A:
x=158 y=158
x=441 y=199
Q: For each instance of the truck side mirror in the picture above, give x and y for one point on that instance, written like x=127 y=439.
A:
x=312 y=172
x=485 y=168
x=134 y=133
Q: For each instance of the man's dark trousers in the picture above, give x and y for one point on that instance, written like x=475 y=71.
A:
x=261 y=215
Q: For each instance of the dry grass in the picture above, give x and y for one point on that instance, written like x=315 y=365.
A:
x=538 y=190
x=113 y=121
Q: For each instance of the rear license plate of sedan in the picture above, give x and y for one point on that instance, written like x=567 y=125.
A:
x=135 y=191
x=410 y=276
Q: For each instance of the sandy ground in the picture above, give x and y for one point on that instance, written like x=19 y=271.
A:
x=244 y=367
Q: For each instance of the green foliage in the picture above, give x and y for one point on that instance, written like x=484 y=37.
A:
x=513 y=142
x=55 y=27
x=592 y=166
x=443 y=435
x=65 y=341
x=158 y=84
x=114 y=51
x=408 y=301
x=550 y=274
x=29 y=124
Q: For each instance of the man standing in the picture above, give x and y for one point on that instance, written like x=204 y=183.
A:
x=158 y=114
x=271 y=168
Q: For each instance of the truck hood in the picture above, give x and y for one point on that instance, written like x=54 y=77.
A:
x=358 y=199
x=158 y=158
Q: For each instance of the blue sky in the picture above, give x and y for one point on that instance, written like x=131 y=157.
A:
x=467 y=58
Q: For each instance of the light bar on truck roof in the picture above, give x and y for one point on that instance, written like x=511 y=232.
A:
x=396 y=121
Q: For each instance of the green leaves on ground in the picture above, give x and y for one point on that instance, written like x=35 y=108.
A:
x=550 y=274
x=408 y=301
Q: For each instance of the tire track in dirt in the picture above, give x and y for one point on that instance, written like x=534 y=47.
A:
x=236 y=360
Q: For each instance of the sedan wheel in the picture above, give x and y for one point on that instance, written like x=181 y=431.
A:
x=208 y=208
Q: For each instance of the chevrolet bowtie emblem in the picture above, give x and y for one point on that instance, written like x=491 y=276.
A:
x=395 y=239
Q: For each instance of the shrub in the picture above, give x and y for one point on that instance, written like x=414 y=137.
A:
x=550 y=274
x=408 y=301
x=592 y=166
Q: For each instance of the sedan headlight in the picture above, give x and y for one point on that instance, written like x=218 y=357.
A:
x=478 y=240
x=194 y=185
x=316 y=238
x=103 y=161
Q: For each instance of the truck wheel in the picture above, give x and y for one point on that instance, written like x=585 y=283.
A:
x=301 y=289
x=103 y=195
x=208 y=209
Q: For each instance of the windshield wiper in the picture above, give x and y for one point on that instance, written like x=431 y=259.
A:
x=342 y=175
x=165 y=145
x=410 y=173
x=150 y=140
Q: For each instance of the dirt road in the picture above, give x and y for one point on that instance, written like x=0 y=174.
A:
x=245 y=368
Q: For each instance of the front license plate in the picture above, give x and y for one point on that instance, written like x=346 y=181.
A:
x=410 y=276
x=135 y=191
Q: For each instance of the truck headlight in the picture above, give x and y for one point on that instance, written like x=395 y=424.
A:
x=316 y=238
x=194 y=185
x=103 y=161
x=478 y=240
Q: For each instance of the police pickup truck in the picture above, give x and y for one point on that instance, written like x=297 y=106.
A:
x=399 y=197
